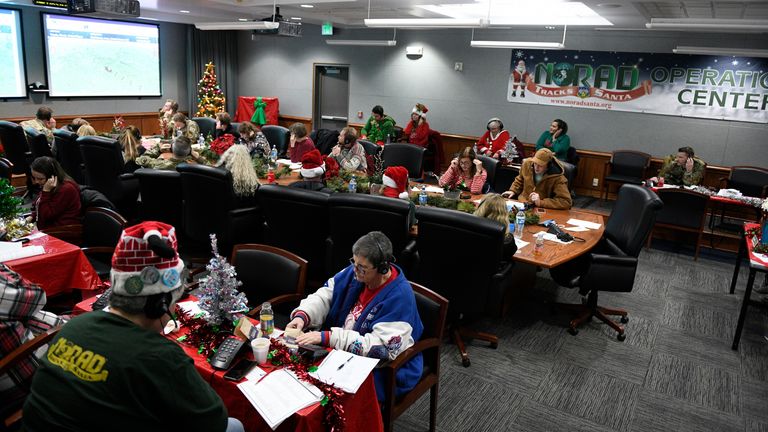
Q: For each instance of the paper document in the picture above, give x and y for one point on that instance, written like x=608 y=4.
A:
x=552 y=237
x=36 y=234
x=430 y=189
x=20 y=253
x=576 y=228
x=345 y=370
x=521 y=244
x=583 y=223
x=279 y=395
x=255 y=374
x=191 y=307
x=516 y=204
x=9 y=247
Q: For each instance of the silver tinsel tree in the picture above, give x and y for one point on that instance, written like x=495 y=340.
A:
x=218 y=292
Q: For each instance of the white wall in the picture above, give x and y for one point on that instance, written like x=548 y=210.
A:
x=461 y=102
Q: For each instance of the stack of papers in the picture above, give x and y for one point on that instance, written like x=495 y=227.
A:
x=13 y=250
x=345 y=370
x=429 y=189
x=279 y=395
x=552 y=237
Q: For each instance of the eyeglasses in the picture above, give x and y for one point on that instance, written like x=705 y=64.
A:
x=359 y=267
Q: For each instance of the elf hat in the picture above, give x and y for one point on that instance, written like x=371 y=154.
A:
x=396 y=177
x=312 y=164
x=146 y=261
x=420 y=109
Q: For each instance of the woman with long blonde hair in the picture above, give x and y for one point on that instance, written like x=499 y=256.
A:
x=494 y=207
x=130 y=141
x=238 y=161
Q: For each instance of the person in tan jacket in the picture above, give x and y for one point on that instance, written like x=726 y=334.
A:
x=541 y=182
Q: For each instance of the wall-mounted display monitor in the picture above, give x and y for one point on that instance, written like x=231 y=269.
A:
x=95 y=57
x=12 y=76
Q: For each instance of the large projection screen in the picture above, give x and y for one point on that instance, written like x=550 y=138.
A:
x=12 y=75
x=94 y=57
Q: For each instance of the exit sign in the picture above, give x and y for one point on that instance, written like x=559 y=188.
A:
x=327 y=29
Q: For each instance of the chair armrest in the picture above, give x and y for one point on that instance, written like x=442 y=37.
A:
x=408 y=354
x=243 y=212
x=610 y=273
x=98 y=250
x=26 y=349
x=612 y=248
x=126 y=176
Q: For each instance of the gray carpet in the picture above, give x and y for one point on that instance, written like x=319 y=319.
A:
x=674 y=372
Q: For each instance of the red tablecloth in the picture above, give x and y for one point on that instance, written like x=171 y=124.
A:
x=361 y=410
x=60 y=269
x=245 y=109
x=758 y=260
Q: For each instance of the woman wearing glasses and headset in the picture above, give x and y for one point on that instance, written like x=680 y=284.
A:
x=367 y=309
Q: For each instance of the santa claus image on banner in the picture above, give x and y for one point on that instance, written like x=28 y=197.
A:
x=519 y=76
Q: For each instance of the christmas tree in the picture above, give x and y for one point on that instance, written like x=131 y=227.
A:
x=218 y=293
x=210 y=99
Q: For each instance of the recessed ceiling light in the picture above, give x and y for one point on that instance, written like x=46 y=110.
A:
x=184 y=11
x=609 y=5
x=307 y=6
x=242 y=19
x=549 y=27
x=296 y=18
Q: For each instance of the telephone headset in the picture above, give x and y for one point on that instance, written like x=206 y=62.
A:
x=495 y=119
x=383 y=266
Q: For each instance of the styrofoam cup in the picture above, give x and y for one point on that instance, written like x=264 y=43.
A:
x=260 y=348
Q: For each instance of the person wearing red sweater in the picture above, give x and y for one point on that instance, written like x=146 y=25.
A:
x=59 y=200
x=465 y=172
x=300 y=142
x=417 y=130
x=494 y=140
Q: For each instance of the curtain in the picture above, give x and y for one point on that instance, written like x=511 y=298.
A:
x=220 y=47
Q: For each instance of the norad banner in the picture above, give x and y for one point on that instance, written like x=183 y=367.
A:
x=717 y=87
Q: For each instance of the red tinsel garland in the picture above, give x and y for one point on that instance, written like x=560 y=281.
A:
x=333 y=415
x=205 y=337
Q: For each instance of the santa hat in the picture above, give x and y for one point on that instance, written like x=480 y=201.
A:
x=146 y=261
x=396 y=180
x=420 y=109
x=312 y=164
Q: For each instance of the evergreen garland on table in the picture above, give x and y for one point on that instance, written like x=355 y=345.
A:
x=10 y=206
x=210 y=99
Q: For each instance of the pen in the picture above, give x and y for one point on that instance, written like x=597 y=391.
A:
x=345 y=363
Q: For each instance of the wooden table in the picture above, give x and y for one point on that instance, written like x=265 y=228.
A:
x=554 y=253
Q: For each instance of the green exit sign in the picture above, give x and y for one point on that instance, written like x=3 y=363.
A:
x=327 y=29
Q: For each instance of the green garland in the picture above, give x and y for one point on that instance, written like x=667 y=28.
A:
x=10 y=206
x=261 y=166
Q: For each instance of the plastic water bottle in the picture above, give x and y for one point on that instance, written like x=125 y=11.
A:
x=201 y=140
x=538 y=246
x=423 y=195
x=474 y=148
x=266 y=319
x=273 y=155
x=353 y=184
x=519 y=223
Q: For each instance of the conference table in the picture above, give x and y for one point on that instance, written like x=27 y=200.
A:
x=62 y=268
x=361 y=410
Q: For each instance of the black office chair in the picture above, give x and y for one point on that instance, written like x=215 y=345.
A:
x=625 y=167
x=351 y=216
x=371 y=149
x=6 y=169
x=68 y=154
x=104 y=171
x=683 y=210
x=279 y=137
x=38 y=143
x=397 y=134
x=612 y=264
x=270 y=274
x=16 y=148
x=236 y=127
x=160 y=192
x=475 y=290
x=101 y=232
x=491 y=166
x=206 y=124
x=569 y=171
x=297 y=220
x=749 y=180
x=433 y=309
x=406 y=155
x=211 y=207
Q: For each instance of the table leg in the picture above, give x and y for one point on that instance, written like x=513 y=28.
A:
x=739 y=256
x=743 y=313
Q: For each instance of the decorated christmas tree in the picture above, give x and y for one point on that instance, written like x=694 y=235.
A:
x=218 y=293
x=210 y=99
